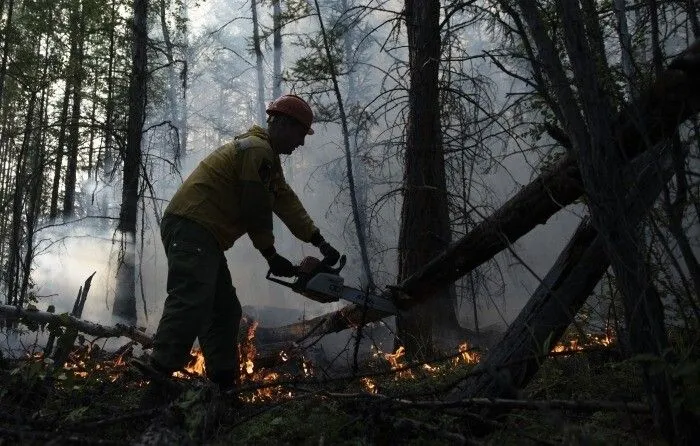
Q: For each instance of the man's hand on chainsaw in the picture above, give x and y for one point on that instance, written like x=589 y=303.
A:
x=280 y=266
x=330 y=254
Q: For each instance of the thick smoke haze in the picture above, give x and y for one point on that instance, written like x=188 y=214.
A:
x=315 y=171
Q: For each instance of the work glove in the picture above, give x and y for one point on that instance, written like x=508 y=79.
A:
x=280 y=266
x=330 y=254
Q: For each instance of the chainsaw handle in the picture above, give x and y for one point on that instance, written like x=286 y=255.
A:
x=275 y=279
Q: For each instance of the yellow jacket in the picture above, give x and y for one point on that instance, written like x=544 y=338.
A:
x=236 y=189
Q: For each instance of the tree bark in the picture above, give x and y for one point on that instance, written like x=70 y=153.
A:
x=276 y=49
x=258 y=63
x=425 y=230
x=173 y=102
x=76 y=73
x=6 y=48
x=125 y=299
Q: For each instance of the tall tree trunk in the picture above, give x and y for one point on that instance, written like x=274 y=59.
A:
x=125 y=299
x=258 y=63
x=425 y=228
x=625 y=44
x=109 y=106
x=276 y=49
x=35 y=185
x=6 y=48
x=173 y=101
x=92 y=156
x=58 y=162
x=73 y=146
x=12 y=270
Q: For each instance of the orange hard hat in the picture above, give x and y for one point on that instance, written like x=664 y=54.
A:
x=294 y=106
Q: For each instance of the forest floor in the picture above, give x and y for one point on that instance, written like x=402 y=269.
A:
x=97 y=402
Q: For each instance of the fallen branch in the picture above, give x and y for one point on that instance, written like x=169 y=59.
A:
x=66 y=320
x=502 y=403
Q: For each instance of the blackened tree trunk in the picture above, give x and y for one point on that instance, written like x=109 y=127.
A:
x=424 y=228
x=125 y=299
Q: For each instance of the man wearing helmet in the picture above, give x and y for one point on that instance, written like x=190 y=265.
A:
x=232 y=192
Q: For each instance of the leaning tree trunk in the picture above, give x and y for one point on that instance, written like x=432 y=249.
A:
x=359 y=228
x=424 y=228
x=125 y=299
x=512 y=363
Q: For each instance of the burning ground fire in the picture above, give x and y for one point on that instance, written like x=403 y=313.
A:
x=81 y=364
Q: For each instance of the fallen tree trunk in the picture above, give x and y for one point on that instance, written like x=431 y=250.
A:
x=66 y=320
x=552 y=308
x=672 y=99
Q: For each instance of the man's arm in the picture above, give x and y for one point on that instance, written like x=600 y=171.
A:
x=256 y=207
x=290 y=210
x=292 y=213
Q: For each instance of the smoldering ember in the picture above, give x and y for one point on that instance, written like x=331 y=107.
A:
x=344 y=222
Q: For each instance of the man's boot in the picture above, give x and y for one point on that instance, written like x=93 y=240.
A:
x=161 y=389
x=227 y=380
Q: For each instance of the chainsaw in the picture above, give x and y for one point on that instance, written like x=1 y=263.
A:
x=321 y=282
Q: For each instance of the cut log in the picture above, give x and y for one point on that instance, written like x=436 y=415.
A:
x=551 y=309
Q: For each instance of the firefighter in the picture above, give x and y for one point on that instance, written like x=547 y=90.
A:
x=232 y=192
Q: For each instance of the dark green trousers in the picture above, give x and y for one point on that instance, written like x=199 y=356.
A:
x=201 y=302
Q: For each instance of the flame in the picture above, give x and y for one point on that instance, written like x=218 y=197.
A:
x=466 y=355
x=247 y=352
x=369 y=384
x=396 y=361
x=592 y=340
